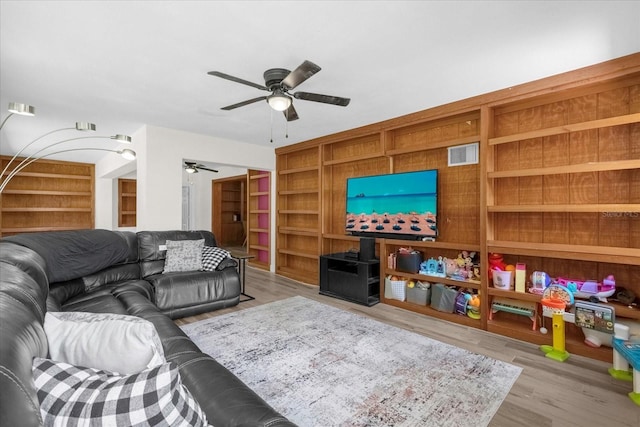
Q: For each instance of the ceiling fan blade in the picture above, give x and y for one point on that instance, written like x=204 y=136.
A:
x=207 y=169
x=300 y=74
x=243 y=103
x=327 y=99
x=236 y=79
x=291 y=114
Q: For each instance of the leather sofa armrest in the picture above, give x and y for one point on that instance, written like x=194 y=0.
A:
x=227 y=263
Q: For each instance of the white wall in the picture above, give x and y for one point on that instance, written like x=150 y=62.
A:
x=160 y=176
x=201 y=188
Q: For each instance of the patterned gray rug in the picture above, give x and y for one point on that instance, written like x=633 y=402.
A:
x=322 y=366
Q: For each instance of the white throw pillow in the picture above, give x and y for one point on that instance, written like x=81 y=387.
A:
x=183 y=255
x=105 y=341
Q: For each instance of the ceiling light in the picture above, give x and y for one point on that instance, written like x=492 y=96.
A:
x=22 y=109
x=191 y=169
x=279 y=101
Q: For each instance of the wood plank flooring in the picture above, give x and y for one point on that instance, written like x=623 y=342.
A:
x=578 y=392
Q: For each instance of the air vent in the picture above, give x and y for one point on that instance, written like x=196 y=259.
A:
x=463 y=154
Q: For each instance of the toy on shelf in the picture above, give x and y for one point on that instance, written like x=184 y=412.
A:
x=556 y=299
x=539 y=282
x=496 y=263
x=590 y=289
x=523 y=308
x=473 y=305
x=433 y=267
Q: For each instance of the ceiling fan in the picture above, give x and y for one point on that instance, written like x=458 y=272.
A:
x=279 y=82
x=193 y=167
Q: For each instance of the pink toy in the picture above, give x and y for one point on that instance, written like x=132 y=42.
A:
x=589 y=289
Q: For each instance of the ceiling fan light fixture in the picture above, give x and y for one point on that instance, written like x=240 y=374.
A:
x=279 y=101
x=190 y=169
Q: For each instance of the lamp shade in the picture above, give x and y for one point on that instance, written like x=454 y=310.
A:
x=279 y=101
x=22 y=109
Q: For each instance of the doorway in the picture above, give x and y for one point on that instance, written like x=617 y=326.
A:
x=229 y=210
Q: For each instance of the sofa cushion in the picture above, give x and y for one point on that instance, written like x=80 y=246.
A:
x=183 y=255
x=71 y=395
x=212 y=257
x=72 y=254
x=112 y=342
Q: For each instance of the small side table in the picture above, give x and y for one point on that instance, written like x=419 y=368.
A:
x=242 y=258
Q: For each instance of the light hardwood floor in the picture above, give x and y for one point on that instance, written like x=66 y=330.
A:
x=578 y=392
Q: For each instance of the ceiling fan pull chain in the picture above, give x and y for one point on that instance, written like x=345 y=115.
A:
x=286 y=125
x=271 y=139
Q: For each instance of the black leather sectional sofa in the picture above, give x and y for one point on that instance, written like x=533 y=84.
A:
x=104 y=271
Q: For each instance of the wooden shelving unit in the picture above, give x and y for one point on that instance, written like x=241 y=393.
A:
x=560 y=178
x=557 y=188
x=229 y=208
x=298 y=214
x=127 y=191
x=47 y=195
x=259 y=214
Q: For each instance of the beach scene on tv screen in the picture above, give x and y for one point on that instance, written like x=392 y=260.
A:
x=403 y=203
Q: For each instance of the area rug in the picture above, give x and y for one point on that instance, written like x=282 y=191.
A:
x=322 y=366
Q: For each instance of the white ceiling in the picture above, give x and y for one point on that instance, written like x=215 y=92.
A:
x=124 y=64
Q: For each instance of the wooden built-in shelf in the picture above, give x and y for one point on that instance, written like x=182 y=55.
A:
x=48 y=175
x=422 y=309
x=258 y=237
x=298 y=212
x=297 y=231
x=47 y=209
x=298 y=253
x=608 y=254
x=298 y=170
x=573 y=127
x=435 y=279
x=371 y=155
x=48 y=195
x=432 y=146
x=49 y=192
x=435 y=245
x=576 y=168
x=617 y=207
x=127 y=198
x=294 y=192
x=557 y=163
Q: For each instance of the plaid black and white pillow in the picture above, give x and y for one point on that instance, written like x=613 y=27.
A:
x=71 y=395
x=212 y=256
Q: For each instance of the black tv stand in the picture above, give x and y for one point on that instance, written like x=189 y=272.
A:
x=350 y=279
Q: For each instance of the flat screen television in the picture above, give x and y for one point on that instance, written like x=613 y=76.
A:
x=399 y=205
